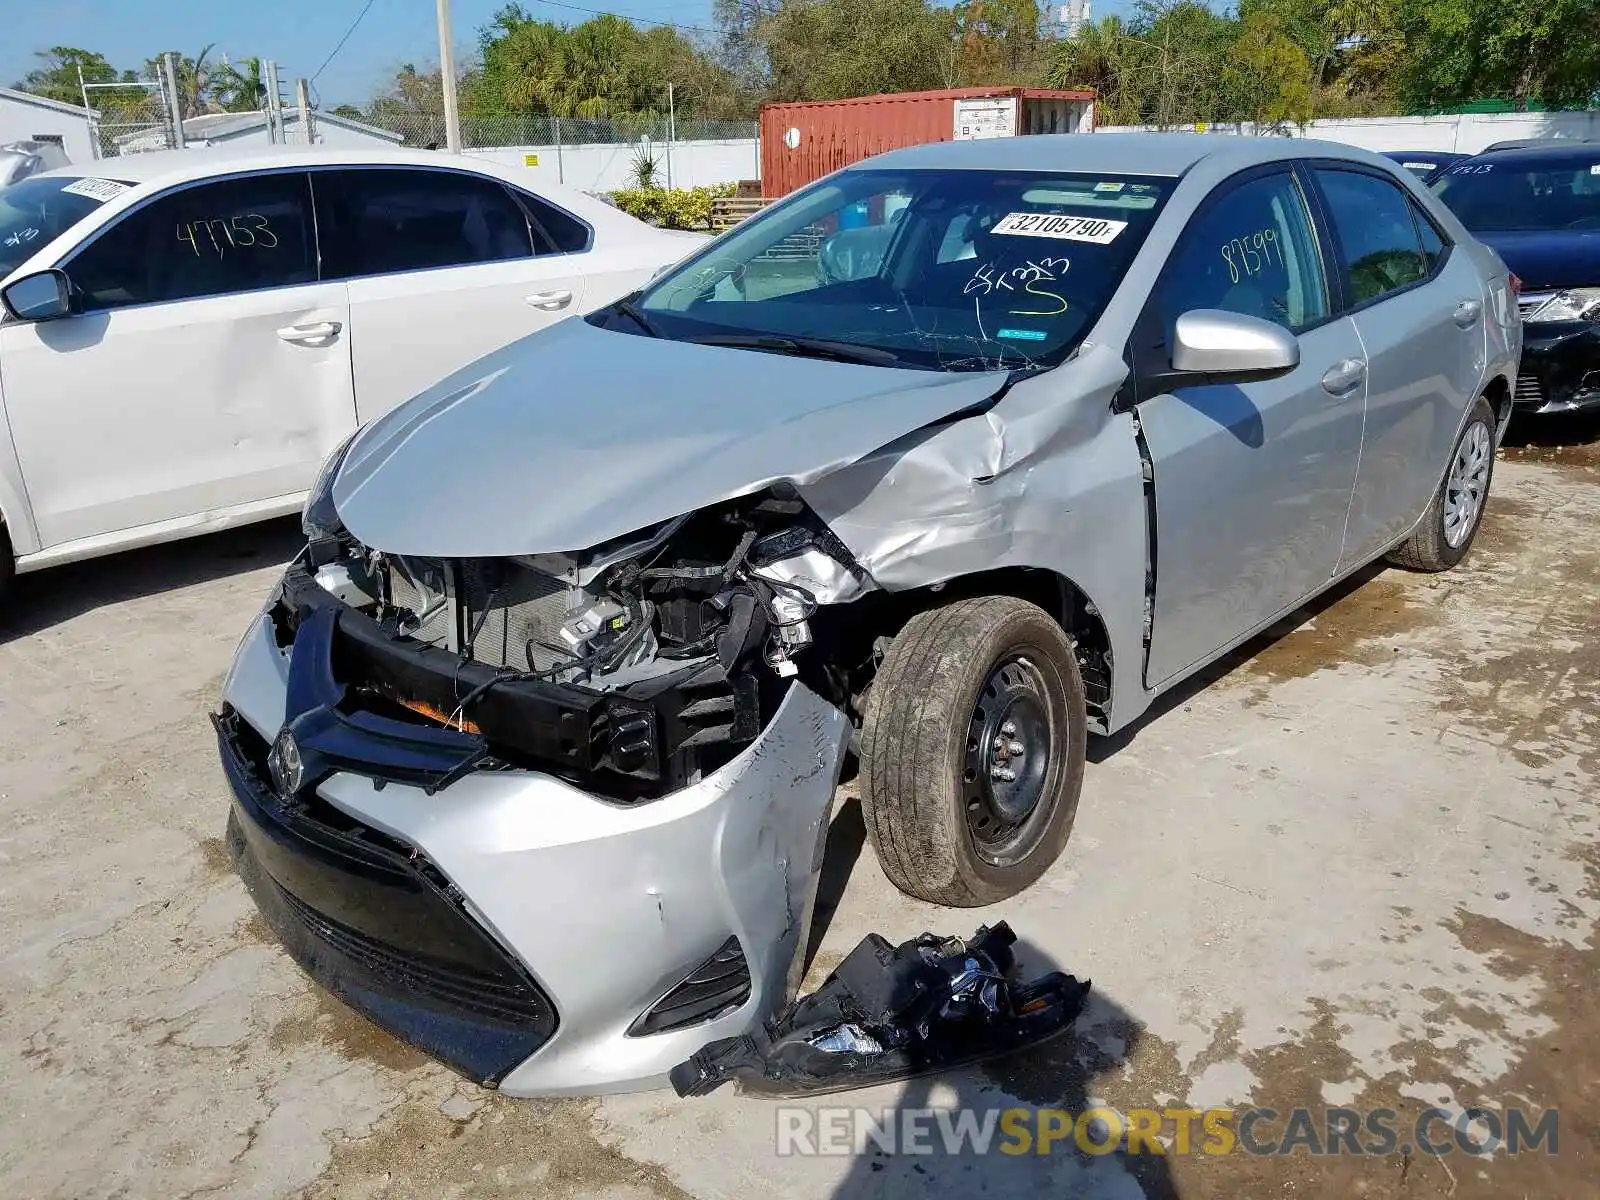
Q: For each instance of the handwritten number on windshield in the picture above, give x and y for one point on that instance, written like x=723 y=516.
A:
x=987 y=281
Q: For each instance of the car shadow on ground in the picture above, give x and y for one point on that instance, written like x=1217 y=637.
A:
x=1576 y=431
x=42 y=599
x=1102 y=748
x=1054 y=1085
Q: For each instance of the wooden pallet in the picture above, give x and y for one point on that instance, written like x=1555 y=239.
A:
x=728 y=211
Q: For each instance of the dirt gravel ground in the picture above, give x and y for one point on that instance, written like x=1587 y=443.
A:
x=1355 y=865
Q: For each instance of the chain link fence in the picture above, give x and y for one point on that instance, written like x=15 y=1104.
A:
x=129 y=119
x=490 y=132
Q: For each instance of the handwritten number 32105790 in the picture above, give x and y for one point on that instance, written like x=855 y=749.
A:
x=219 y=235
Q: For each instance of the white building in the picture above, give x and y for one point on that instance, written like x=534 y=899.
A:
x=250 y=129
x=24 y=116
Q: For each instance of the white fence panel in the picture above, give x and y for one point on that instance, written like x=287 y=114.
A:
x=609 y=167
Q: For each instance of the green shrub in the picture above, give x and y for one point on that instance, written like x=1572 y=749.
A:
x=672 y=208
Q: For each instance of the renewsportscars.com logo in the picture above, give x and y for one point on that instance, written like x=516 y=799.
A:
x=1477 y=1131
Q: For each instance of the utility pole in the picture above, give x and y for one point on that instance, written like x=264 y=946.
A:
x=94 y=130
x=178 y=142
x=302 y=92
x=672 y=133
x=447 y=79
x=274 y=102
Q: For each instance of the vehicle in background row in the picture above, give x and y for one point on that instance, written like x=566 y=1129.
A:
x=1424 y=164
x=187 y=334
x=18 y=160
x=532 y=749
x=1539 y=206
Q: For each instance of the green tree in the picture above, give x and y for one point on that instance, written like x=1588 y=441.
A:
x=1108 y=57
x=999 y=41
x=832 y=49
x=239 y=87
x=605 y=67
x=192 y=77
x=56 y=75
x=1545 y=52
x=1268 y=76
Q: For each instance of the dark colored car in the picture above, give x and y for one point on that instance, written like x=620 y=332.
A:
x=1424 y=164
x=1539 y=206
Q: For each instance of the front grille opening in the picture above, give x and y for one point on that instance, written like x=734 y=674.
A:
x=716 y=986
x=1530 y=389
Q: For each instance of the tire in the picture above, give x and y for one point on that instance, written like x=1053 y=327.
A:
x=924 y=795
x=1436 y=544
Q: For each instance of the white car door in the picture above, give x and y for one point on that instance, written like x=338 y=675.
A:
x=443 y=265
x=203 y=369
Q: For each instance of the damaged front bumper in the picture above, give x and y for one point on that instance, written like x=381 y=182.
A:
x=1560 y=369
x=529 y=933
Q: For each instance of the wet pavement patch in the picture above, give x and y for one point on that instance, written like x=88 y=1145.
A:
x=339 y=1027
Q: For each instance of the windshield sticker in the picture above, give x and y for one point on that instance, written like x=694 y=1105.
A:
x=1052 y=225
x=1024 y=335
x=1109 y=187
x=1417 y=166
x=96 y=189
x=1595 y=170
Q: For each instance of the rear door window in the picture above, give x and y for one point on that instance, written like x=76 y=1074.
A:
x=1376 y=233
x=228 y=235
x=382 y=221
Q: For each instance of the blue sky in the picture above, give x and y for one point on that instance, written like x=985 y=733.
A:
x=298 y=35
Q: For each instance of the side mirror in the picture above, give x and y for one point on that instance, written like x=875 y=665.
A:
x=1208 y=341
x=42 y=296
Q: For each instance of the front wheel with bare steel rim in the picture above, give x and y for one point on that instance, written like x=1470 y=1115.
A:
x=1452 y=520
x=972 y=751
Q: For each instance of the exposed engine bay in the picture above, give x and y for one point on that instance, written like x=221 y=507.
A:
x=678 y=642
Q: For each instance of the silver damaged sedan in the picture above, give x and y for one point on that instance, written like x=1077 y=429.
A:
x=925 y=473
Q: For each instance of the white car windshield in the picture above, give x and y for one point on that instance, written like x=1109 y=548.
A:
x=955 y=270
x=40 y=209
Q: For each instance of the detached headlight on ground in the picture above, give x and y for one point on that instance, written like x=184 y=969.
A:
x=1574 y=304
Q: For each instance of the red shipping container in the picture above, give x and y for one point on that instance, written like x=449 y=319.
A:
x=806 y=140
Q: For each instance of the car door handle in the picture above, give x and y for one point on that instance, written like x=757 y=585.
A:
x=1344 y=376
x=303 y=335
x=1467 y=312
x=549 y=301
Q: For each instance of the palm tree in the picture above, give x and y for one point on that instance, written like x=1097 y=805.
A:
x=192 y=77
x=240 y=88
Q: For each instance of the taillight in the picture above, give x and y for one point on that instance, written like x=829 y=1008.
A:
x=1516 y=284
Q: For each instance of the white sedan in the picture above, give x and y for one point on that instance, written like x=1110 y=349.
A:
x=187 y=335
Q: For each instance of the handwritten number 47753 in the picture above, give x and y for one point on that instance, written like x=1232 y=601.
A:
x=219 y=235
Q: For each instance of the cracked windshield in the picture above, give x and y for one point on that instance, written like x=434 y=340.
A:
x=940 y=270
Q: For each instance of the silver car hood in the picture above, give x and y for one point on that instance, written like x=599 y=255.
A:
x=577 y=435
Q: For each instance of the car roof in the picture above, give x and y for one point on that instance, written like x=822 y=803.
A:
x=1158 y=154
x=159 y=169
x=1553 y=150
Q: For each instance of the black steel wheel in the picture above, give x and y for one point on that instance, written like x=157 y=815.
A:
x=973 y=751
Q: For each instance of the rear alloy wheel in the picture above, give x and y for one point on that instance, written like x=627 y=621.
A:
x=1447 y=531
x=973 y=751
